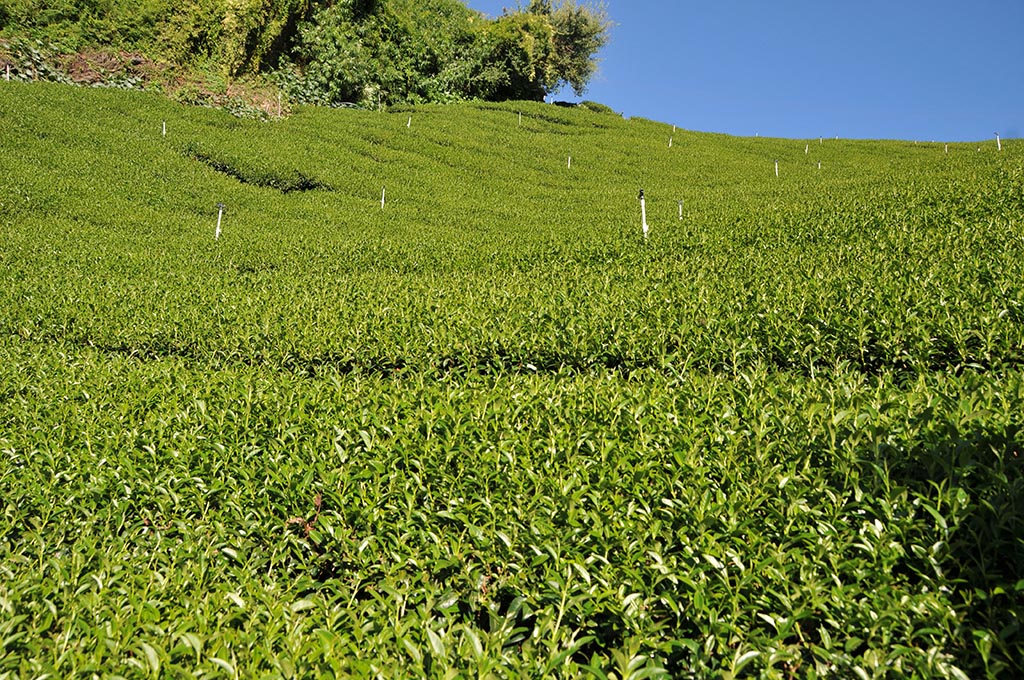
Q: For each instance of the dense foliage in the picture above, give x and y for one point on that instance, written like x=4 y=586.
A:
x=486 y=429
x=238 y=37
x=370 y=52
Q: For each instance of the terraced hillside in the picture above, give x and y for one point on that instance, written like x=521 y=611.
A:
x=432 y=406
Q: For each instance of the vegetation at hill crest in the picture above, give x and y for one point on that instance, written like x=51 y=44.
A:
x=372 y=53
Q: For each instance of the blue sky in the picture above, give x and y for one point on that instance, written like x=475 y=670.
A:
x=942 y=70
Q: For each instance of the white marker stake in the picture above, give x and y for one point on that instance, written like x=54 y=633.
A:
x=670 y=142
x=409 y=124
x=520 y=118
x=947 y=148
x=643 y=213
x=8 y=73
x=163 y=129
x=220 y=213
x=776 y=168
x=382 y=190
x=819 y=165
x=999 y=145
x=680 y=202
x=820 y=142
x=807 y=148
x=570 y=162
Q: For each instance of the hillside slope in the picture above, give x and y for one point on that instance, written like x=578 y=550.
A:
x=431 y=402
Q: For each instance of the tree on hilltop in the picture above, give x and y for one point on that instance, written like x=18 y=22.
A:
x=544 y=47
x=579 y=34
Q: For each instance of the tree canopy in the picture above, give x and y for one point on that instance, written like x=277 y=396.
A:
x=370 y=52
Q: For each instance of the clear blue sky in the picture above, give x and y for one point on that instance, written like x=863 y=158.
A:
x=943 y=70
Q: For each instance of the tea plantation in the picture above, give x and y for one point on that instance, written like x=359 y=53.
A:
x=431 y=406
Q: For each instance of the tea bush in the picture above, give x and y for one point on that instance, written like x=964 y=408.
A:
x=487 y=429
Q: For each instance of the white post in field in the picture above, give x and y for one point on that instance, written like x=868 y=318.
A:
x=643 y=212
x=807 y=149
x=409 y=123
x=819 y=165
x=163 y=129
x=220 y=213
x=947 y=148
x=776 y=167
x=999 y=145
x=382 y=190
x=680 y=202
x=820 y=142
x=520 y=119
x=8 y=73
x=670 y=142
x=570 y=163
